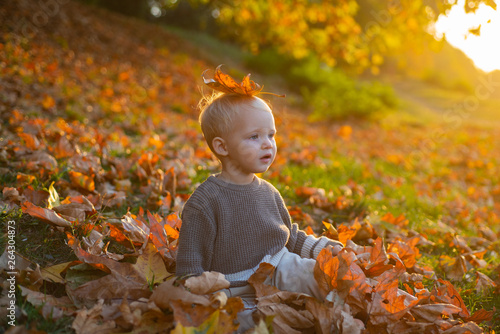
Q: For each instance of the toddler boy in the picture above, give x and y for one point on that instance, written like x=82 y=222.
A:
x=235 y=220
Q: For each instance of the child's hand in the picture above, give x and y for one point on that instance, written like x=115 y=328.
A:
x=334 y=249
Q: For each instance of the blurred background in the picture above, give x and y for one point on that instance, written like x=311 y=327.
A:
x=346 y=58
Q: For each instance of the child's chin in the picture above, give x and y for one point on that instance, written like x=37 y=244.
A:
x=263 y=169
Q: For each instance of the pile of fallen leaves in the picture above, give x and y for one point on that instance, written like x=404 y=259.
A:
x=99 y=141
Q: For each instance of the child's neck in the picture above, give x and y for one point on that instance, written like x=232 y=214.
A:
x=236 y=178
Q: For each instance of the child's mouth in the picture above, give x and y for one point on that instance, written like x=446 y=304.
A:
x=266 y=158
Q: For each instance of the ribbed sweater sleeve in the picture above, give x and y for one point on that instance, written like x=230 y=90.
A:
x=196 y=241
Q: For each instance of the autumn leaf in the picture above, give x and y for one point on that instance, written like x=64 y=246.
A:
x=258 y=279
x=63 y=148
x=82 y=181
x=481 y=315
x=53 y=273
x=37 y=197
x=169 y=291
x=46 y=215
x=87 y=321
x=433 y=312
x=30 y=140
x=114 y=285
x=455 y=268
x=151 y=265
x=347 y=232
x=286 y=309
x=399 y=221
x=206 y=283
x=483 y=282
x=226 y=84
x=212 y=322
x=49 y=306
x=53 y=197
x=48 y=102
x=406 y=251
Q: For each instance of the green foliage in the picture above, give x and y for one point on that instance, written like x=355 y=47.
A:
x=269 y=61
x=334 y=95
x=329 y=92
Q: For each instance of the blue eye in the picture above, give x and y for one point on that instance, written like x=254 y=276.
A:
x=271 y=135
x=254 y=137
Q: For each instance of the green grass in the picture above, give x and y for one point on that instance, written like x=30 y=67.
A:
x=36 y=240
x=209 y=48
x=403 y=200
x=423 y=99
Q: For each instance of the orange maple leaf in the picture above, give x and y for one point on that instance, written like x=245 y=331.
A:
x=226 y=84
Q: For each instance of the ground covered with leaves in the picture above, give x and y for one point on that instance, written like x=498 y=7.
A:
x=100 y=148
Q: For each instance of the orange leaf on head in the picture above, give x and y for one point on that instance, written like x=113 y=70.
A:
x=226 y=84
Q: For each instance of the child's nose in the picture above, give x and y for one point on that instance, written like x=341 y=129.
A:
x=267 y=143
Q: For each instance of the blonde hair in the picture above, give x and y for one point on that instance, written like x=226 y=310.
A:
x=217 y=113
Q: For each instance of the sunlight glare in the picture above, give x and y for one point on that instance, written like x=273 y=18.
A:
x=484 y=50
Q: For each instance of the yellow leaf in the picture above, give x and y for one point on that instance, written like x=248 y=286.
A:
x=209 y=326
x=53 y=197
x=53 y=273
x=151 y=265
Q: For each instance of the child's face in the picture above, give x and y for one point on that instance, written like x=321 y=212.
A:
x=251 y=144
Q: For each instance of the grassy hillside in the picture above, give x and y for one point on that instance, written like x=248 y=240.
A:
x=100 y=148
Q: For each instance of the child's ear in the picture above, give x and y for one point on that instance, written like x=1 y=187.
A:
x=219 y=146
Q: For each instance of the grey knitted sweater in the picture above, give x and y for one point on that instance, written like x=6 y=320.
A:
x=232 y=228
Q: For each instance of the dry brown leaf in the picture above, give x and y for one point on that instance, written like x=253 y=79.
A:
x=40 y=159
x=206 y=283
x=47 y=215
x=265 y=271
x=166 y=292
x=10 y=194
x=345 y=322
x=483 y=282
x=467 y=328
x=448 y=294
x=457 y=269
x=108 y=287
x=93 y=242
x=323 y=317
x=286 y=316
x=190 y=315
x=481 y=315
x=77 y=211
x=63 y=148
x=21 y=263
x=50 y=306
x=134 y=228
x=433 y=312
x=90 y=322
x=37 y=197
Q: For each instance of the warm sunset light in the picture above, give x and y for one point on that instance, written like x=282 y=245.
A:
x=151 y=180
x=482 y=49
